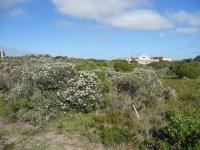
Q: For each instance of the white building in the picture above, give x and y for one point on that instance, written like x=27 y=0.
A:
x=167 y=59
x=163 y=58
x=2 y=53
x=145 y=59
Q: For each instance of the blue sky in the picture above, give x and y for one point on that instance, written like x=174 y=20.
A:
x=105 y=29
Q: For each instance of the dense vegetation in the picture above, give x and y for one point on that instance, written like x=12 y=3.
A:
x=119 y=104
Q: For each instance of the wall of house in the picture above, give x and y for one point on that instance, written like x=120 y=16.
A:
x=145 y=59
x=167 y=59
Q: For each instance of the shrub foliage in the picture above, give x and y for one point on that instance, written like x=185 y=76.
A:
x=186 y=69
x=42 y=87
x=122 y=66
x=142 y=85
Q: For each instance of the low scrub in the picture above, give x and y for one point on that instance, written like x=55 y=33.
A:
x=91 y=65
x=117 y=135
x=122 y=66
x=186 y=69
x=46 y=87
x=142 y=85
x=160 y=65
x=182 y=132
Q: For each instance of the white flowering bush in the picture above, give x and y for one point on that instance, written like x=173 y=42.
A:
x=51 y=75
x=81 y=92
x=44 y=87
x=74 y=89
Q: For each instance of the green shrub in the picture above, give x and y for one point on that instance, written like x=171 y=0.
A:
x=43 y=87
x=155 y=144
x=184 y=69
x=91 y=65
x=122 y=66
x=74 y=89
x=116 y=117
x=183 y=131
x=141 y=85
x=106 y=83
x=86 y=66
x=113 y=116
x=160 y=64
x=117 y=135
x=100 y=63
x=105 y=102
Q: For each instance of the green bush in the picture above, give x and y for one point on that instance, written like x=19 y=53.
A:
x=117 y=135
x=122 y=66
x=116 y=117
x=162 y=67
x=106 y=83
x=43 y=87
x=160 y=64
x=99 y=63
x=183 y=131
x=86 y=66
x=155 y=144
x=142 y=85
x=105 y=102
x=91 y=65
x=184 y=69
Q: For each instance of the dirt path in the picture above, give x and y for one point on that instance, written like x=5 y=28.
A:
x=21 y=136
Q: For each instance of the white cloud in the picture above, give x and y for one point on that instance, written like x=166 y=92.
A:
x=92 y=9
x=16 y=12
x=192 y=19
x=141 y=19
x=187 y=30
x=8 y=3
x=123 y=13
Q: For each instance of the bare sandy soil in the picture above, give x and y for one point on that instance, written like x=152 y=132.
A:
x=21 y=136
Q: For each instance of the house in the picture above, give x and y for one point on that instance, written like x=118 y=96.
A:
x=2 y=53
x=145 y=59
x=162 y=58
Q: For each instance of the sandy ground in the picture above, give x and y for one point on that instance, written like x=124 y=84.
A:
x=14 y=136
